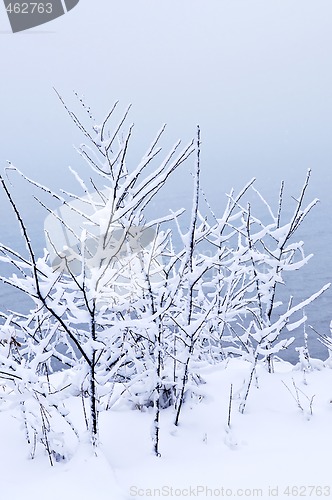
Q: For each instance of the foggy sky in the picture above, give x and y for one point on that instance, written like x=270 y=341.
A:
x=255 y=74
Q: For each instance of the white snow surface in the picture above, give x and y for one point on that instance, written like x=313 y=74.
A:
x=274 y=444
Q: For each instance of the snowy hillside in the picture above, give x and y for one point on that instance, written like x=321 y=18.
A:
x=274 y=444
x=148 y=364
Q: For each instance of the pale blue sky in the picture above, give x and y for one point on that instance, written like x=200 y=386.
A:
x=255 y=74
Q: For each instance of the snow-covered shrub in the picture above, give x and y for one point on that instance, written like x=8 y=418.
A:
x=93 y=299
x=28 y=390
x=125 y=312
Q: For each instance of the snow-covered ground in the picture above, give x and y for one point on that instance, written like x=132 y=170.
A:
x=274 y=449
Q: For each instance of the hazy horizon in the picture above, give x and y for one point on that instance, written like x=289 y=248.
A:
x=255 y=75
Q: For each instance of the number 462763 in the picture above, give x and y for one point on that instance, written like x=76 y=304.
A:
x=29 y=8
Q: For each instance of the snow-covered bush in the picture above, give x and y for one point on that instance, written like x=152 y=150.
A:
x=91 y=297
x=124 y=311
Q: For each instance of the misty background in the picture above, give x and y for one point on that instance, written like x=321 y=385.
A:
x=255 y=75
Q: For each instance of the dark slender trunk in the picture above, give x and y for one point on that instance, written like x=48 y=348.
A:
x=158 y=391
x=184 y=383
x=93 y=390
x=157 y=423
